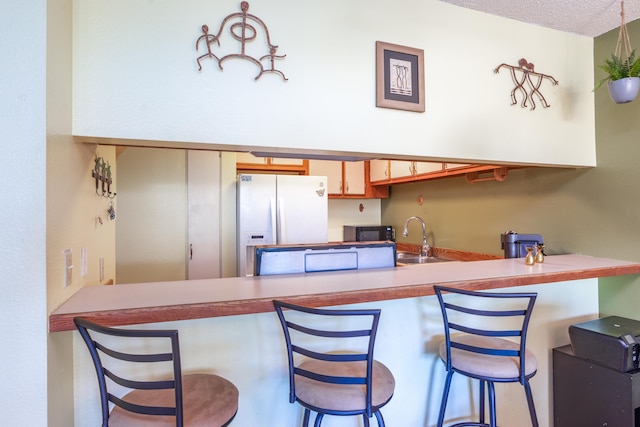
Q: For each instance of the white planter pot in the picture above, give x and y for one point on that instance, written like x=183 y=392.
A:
x=624 y=90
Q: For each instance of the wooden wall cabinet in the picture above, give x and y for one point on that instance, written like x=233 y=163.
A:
x=247 y=162
x=347 y=180
x=401 y=169
x=386 y=172
x=428 y=167
x=379 y=170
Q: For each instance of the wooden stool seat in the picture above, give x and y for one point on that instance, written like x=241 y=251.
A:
x=208 y=401
x=344 y=397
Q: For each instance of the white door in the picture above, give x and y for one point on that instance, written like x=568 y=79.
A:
x=203 y=208
x=303 y=209
x=255 y=216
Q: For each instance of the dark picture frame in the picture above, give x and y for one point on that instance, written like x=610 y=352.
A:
x=399 y=77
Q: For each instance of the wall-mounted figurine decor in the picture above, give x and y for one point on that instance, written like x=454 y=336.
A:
x=523 y=75
x=399 y=77
x=244 y=29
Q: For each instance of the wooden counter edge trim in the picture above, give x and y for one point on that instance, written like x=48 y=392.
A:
x=64 y=322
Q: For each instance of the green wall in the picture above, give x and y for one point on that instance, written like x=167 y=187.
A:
x=593 y=211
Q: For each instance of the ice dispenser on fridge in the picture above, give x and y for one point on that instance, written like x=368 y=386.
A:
x=515 y=244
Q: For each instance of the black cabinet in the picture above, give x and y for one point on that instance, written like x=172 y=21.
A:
x=586 y=394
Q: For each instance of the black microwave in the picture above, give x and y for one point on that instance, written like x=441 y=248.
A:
x=368 y=233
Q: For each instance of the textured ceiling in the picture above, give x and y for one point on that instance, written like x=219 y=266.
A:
x=586 y=17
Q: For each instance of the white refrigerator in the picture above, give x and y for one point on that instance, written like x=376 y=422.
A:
x=279 y=210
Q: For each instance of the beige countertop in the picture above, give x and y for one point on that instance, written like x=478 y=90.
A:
x=182 y=300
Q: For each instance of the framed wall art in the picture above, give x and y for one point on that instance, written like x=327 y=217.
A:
x=399 y=77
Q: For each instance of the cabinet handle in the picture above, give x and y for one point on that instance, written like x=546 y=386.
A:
x=190 y=251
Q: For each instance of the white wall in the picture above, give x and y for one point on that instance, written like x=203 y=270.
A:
x=22 y=184
x=347 y=212
x=135 y=77
x=249 y=351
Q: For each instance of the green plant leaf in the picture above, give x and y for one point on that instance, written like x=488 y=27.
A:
x=618 y=68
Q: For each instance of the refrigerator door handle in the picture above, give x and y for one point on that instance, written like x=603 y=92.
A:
x=282 y=223
x=274 y=220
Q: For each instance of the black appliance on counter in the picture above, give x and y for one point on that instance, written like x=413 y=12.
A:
x=610 y=341
x=515 y=244
x=368 y=233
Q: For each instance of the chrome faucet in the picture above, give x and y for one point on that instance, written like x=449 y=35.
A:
x=424 y=251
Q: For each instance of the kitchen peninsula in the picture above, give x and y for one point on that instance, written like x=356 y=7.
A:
x=183 y=300
x=228 y=326
x=169 y=301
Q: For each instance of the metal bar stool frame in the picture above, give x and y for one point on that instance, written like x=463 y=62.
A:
x=85 y=327
x=482 y=347
x=366 y=381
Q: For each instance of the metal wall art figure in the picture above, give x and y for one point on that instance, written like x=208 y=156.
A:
x=524 y=74
x=243 y=28
x=101 y=173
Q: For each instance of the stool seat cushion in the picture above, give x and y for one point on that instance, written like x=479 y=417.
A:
x=344 y=397
x=207 y=400
x=483 y=365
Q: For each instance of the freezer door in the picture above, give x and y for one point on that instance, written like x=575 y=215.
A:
x=256 y=216
x=302 y=203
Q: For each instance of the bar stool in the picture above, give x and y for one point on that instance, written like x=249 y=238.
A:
x=182 y=400
x=481 y=350
x=329 y=381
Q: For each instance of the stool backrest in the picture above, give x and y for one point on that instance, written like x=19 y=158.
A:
x=355 y=328
x=477 y=313
x=105 y=353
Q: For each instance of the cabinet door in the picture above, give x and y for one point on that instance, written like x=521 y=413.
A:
x=379 y=170
x=332 y=170
x=452 y=166
x=354 y=178
x=402 y=168
x=428 y=167
x=203 y=203
x=285 y=161
x=250 y=158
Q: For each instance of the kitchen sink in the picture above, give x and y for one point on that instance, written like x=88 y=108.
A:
x=413 y=258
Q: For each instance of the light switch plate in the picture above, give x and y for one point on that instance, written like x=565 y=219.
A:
x=68 y=267
x=83 y=261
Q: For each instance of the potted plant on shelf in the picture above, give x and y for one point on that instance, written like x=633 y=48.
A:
x=623 y=71
x=623 y=77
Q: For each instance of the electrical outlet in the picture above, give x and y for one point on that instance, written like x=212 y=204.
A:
x=68 y=267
